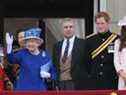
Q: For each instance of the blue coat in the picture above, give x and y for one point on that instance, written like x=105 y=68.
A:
x=29 y=75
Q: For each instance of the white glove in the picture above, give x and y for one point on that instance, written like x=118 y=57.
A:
x=9 y=42
x=44 y=74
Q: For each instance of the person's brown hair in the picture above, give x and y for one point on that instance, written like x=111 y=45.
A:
x=105 y=15
x=123 y=38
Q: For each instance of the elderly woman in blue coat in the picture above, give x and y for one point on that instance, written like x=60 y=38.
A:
x=35 y=65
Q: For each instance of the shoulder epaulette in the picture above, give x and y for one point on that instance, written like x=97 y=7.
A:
x=93 y=34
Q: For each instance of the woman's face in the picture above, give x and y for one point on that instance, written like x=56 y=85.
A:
x=68 y=29
x=21 y=39
x=32 y=44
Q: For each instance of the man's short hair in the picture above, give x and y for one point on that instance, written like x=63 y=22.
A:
x=66 y=19
x=105 y=15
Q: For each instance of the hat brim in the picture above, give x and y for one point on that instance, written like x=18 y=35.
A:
x=27 y=38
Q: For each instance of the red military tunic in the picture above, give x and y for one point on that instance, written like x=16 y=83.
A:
x=2 y=75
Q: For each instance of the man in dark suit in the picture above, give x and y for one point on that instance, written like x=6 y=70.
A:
x=68 y=56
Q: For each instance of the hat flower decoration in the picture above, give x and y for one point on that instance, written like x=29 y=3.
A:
x=122 y=22
x=33 y=33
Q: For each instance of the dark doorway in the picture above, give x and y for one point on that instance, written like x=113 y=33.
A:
x=48 y=8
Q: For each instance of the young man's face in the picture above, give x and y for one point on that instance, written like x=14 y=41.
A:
x=102 y=25
x=21 y=39
x=68 y=29
x=32 y=44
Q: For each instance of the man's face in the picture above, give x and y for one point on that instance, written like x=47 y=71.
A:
x=68 y=29
x=32 y=44
x=102 y=25
x=21 y=39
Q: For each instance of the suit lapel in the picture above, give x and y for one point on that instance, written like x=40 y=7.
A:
x=74 y=50
x=60 y=49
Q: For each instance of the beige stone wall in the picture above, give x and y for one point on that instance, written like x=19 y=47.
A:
x=54 y=25
x=116 y=9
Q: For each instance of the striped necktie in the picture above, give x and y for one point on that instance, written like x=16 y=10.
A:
x=66 y=51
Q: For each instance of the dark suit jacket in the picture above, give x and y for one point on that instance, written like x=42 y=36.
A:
x=78 y=69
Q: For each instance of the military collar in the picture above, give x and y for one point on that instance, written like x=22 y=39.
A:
x=106 y=34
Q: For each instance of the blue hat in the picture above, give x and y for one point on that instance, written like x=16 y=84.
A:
x=33 y=33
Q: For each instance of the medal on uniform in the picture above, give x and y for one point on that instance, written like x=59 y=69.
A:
x=111 y=48
x=43 y=54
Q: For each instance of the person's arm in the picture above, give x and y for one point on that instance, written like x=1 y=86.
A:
x=48 y=71
x=118 y=66
x=117 y=63
x=44 y=69
x=11 y=57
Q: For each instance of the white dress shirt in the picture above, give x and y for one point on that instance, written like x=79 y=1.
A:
x=71 y=43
